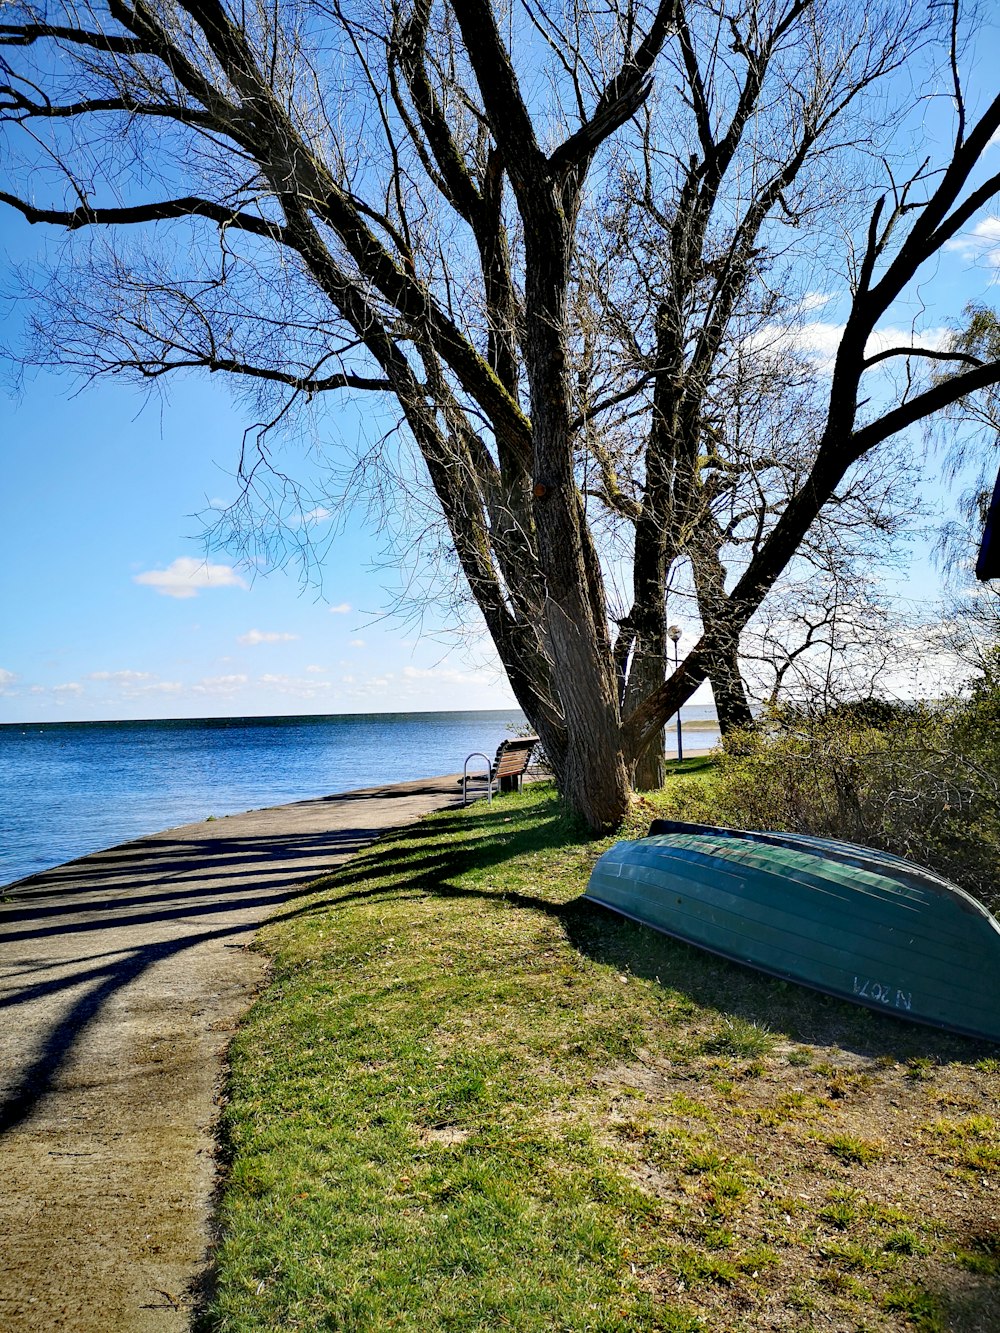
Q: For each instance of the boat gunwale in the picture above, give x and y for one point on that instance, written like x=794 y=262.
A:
x=817 y=847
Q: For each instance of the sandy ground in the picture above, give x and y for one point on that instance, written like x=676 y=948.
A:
x=122 y=978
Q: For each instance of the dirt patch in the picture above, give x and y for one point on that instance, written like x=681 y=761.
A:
x=799 y=1196
x=443 y=1136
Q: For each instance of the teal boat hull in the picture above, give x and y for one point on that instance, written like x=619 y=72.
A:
x=850 y=921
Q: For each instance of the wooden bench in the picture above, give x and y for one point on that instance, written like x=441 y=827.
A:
x=506 y=771
x=512 y=759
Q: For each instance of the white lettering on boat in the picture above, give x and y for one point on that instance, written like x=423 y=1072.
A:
x=866 y=989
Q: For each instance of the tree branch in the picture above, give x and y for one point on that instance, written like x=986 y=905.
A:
x=941 y=395
x=622 y=96
x=28 y=33
x=505 y=108
x=165 y=210
x=409 y=39
x=48 y=110
x=931 y=352
x=301 y=383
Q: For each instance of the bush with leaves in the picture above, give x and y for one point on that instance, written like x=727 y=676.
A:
x=922 y=781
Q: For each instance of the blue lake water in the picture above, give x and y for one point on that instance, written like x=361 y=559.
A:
x=70 y=788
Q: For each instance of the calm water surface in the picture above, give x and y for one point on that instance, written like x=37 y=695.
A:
x=67 y=789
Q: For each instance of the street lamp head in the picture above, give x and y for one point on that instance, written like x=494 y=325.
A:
x=674 y=632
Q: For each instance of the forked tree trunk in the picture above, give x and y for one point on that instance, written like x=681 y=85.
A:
x=649 y=655
x=731 y=704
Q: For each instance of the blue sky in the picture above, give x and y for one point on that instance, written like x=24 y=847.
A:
x=109 y=610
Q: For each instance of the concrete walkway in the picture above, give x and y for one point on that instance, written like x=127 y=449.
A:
x=122 y=978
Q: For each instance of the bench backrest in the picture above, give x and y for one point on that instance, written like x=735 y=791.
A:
x=513 y=757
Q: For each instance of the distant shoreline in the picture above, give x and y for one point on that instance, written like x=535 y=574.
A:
x=228 y=721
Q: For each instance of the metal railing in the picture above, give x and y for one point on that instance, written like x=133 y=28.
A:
x=477 y=754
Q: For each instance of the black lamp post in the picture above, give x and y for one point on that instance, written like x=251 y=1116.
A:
x=674 y=632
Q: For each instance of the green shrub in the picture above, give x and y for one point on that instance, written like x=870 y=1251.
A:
x=920 y=780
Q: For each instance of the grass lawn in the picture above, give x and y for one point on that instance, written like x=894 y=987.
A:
x=697 y=765
x=470 y=1101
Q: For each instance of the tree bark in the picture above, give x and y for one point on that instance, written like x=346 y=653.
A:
x=592 y=776
x=731 y=705
x=647 y=674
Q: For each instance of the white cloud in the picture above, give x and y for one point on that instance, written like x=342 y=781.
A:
x=820 y=340
x=122 y=677
x=295 y=686
x=318 y=515
x=982 y=242
x=814 y=301
x=71 y=687
x=882 y=339
x=134 y=684
x=220 y=684
x=315 y=670
x=341 y=610
x=375 y=686
x=263 y=636
x=185 y=577
x=357 y=643
x=7 y=678
x=443 y=675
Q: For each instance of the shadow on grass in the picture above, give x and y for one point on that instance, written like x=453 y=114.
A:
x=414 y=866
x=414 y=863
x=971 y=1303
x=805 y=1016
x=699 y=763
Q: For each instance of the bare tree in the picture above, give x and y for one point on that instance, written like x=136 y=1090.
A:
x=388 y=198
x=815 y=650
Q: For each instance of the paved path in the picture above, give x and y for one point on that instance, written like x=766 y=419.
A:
x=122 y=977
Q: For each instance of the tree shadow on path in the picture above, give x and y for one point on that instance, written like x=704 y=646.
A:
x=83 y=932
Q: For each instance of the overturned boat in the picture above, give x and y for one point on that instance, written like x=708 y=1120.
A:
x=851 y=921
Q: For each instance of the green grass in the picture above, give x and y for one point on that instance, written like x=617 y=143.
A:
x=851 y=1150
x=469 y=1100
x=696 y=765
x=738 y=1036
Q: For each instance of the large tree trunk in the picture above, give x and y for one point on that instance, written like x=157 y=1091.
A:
x=647 y=623
x=592 y=775
x=731 y=703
